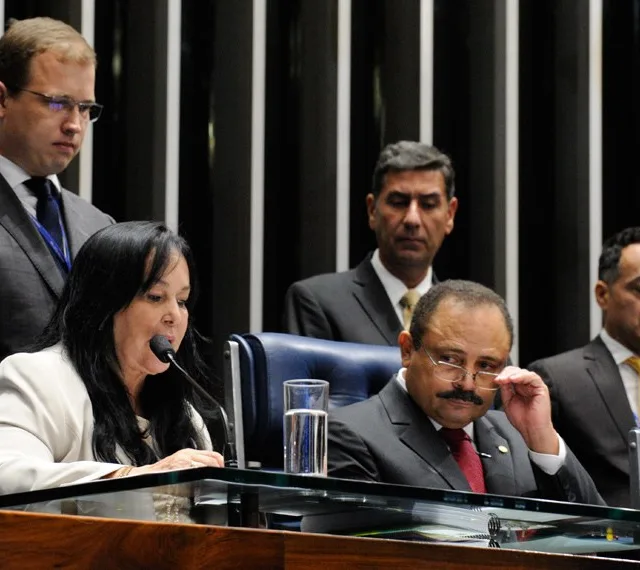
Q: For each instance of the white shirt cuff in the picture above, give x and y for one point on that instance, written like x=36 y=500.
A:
x=550 y=464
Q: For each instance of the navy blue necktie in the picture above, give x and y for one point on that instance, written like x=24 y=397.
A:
x=48 y=209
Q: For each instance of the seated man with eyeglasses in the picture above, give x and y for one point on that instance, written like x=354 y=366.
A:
x=432 y=426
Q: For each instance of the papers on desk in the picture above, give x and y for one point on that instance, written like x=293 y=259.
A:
x=464 y=525
x=433 y=533
x=479 y=519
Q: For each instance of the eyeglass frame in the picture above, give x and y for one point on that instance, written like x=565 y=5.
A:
x=462 y=370
x=68 y=103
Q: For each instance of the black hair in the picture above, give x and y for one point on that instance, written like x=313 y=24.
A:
x=411 y=155
x=609 y=262
x=113 y=267
x=470 y=293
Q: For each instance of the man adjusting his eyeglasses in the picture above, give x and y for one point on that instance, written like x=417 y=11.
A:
x=47 y=101
x=432 y=426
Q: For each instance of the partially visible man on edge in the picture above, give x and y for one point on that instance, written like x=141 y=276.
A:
x=47 y=100
x=411 y=209
x=431 y=425
x=595 y=389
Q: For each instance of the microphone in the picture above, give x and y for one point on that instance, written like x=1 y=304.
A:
x=161 y=347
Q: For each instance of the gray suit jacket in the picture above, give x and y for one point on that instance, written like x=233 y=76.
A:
x=30 y=277
x=350 y=306
x=591 y=412
x=388 y=438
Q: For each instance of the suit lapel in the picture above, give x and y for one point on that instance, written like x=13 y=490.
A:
x=75 y=223
x=374 y=300
x=15 y=220
x=499 y=471
x=416 y=431
x=603 y=372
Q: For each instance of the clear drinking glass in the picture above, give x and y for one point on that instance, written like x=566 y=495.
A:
x=306 y=403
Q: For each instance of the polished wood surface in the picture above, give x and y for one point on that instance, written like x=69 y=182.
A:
x=29 y=540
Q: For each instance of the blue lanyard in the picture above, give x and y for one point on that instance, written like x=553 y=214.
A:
x=63 y=254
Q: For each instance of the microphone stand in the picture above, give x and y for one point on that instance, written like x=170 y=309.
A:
x=229 y=450
x=243 y=507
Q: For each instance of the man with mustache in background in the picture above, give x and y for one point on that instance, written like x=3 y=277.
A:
x=431 y=425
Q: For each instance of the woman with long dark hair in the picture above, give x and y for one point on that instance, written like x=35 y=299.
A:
x=92 y=400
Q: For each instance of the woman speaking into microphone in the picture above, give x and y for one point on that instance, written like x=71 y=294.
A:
x=92 y=400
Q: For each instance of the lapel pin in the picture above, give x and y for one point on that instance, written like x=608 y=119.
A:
x=503 y=449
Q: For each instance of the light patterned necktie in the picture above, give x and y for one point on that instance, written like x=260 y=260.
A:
x=408 y=303
x=634 y=362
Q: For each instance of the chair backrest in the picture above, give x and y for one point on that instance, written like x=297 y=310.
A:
x=256 y=365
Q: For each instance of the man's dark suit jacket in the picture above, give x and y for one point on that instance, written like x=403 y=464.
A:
x=389 y=439
x=30 y=279
x=591 y=412
x=351 y=306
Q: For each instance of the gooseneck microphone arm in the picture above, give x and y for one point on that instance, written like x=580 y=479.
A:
x=161 y=347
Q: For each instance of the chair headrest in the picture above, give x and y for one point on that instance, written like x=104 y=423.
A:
x=354 y=371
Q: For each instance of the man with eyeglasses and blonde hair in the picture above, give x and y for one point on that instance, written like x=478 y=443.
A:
x=47 y=100
x=432 y=426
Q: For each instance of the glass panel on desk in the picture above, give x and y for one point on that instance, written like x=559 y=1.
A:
x=250 y=498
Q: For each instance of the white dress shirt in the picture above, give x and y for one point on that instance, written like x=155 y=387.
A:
x=629 y=376
x=394 y=287
x=16 y=177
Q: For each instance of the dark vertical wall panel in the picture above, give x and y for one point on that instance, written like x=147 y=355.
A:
x=196 y=203
x=482 y=173
x=570 y=265
x=368 y=111
x=143 y=74
x=110 y=157
x=452 y=126
x=400 y=70
x=300 y=148
x=129 y=138
x=537 y=184
x=283 y=250
x=621 y=115
x=317 y=37
x=300 y=161
x=231 y=182
x=555 y=285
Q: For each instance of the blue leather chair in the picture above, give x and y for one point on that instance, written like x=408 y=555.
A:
x=256 y=365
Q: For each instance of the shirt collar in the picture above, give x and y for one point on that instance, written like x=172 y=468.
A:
x=618 y=351
x=392 y=285
x=403 y=384
x=16 y=176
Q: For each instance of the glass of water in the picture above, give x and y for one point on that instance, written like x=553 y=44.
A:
x=306 y=403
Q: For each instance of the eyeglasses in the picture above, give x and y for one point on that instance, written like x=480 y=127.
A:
x=454 y=373
x=87 y=109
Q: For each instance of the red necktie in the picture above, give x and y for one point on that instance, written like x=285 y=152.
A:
x=464 y=453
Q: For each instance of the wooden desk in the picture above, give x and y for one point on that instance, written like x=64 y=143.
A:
x=29 y=540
